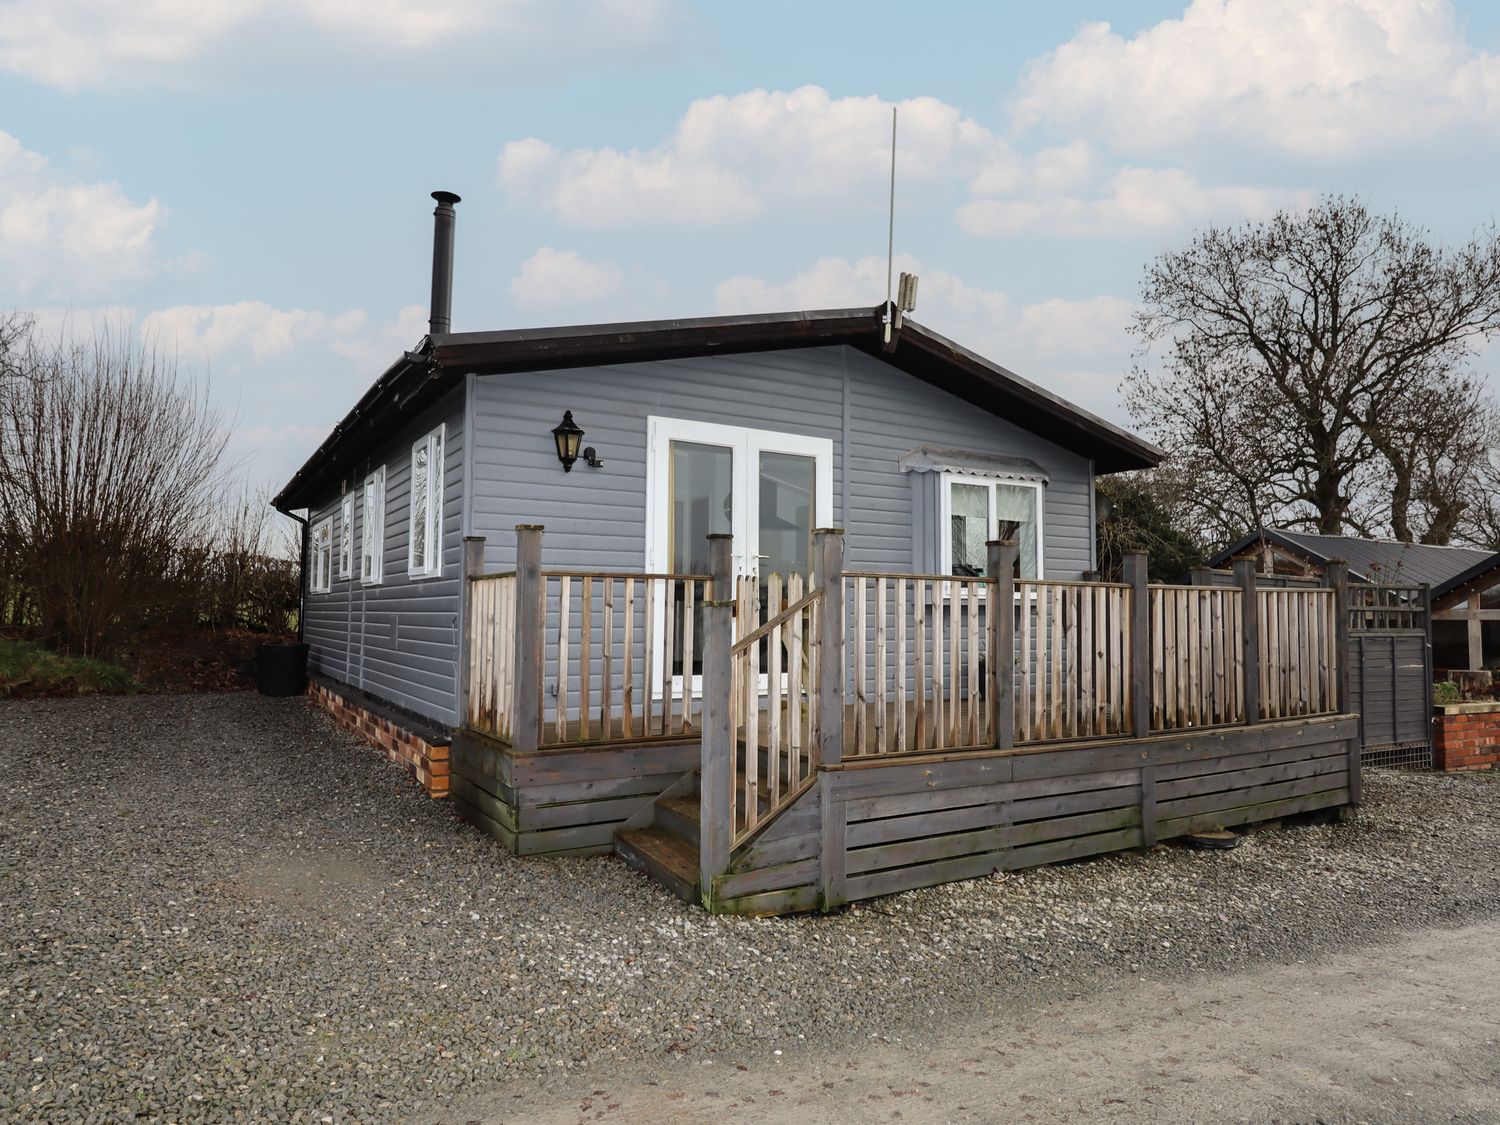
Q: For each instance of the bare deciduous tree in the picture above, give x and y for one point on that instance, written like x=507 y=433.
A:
x=1305 y=359
x=110 y=469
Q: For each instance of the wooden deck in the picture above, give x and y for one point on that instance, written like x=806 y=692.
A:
x=877 y=825
x=866 y=733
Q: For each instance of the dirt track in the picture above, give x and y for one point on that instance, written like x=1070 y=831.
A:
x=1402 y=1032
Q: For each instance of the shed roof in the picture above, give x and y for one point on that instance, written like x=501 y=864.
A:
x=440 y=362
x=1370 y=560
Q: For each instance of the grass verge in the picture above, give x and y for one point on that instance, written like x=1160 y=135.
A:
x=27 y=670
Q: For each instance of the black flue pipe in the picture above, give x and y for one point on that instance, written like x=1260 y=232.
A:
x=441 y=320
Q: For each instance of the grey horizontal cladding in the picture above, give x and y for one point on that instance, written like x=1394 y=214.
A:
x=597 y=518
x=890 y=414
x=397 y=640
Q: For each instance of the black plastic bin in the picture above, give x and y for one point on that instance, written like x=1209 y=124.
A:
x=281 y=669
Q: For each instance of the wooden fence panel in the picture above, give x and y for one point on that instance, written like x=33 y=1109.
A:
x=1299 y=652
x=1072 y=660
x=1197 y=657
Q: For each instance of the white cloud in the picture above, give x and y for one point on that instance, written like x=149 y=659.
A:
x=731 y=157
x=839 y=283
x=254 y=326
x=262 y=360
x=1312 y=77
x=1131 y=199
x=79 y=44
x=564 y=277
x=62 y=237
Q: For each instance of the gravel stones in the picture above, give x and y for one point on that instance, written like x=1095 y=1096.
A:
x=222 y=907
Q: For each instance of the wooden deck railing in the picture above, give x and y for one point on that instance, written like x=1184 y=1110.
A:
x=773 y=691
x=491 y=656
x=780 y=676
x=916 y=658
x=619 y=655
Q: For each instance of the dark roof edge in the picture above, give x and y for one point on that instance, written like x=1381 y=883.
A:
x=1127 y=442
x=383 y=394
x=1460 y=583
x=628 y=330
x=440 y=358
x=1269 y=535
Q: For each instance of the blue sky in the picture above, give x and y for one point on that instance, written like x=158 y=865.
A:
x=249 y=180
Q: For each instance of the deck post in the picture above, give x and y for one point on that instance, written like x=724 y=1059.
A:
x=1244 y=578
x=473 y=568
x=828 y=576
x=1201 y=576
x=1140 y=642
x=1000 y=567
x=716 y=752
x=1337 y=576
x=526 y=713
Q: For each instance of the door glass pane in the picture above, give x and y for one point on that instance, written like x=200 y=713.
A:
x=702 y=505
x=702 y=502
x=1018 y=504
x=969 y=506
x=786 y=513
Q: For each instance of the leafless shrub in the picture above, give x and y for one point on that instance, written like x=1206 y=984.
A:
x=109 y=475
x=249 y=575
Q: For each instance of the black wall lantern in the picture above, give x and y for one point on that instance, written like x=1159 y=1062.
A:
x=568 y=437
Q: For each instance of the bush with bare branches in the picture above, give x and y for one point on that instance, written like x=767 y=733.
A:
x=110 y=472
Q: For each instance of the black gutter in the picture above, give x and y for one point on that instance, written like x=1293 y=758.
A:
x=400 y=383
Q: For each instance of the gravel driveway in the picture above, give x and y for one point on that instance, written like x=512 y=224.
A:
x=221 y=906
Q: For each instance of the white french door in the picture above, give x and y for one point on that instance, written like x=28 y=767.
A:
x=767 y=489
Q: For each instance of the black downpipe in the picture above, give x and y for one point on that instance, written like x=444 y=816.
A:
x=441 y=319
x=301 y=571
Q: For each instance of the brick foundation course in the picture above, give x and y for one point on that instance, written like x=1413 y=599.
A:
x=1466 y=736
x=424 y=760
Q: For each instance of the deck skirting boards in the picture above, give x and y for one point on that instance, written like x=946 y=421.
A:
x=563 y=801
x=878 y=826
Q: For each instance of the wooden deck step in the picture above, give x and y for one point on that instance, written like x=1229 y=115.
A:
x=671 y=861
x=681 y=817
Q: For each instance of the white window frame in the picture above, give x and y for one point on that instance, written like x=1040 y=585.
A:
x=372 y=530
x=346 y=537
x=945 y=516
x=432 y=565
x=320 y=557
x=747 y=445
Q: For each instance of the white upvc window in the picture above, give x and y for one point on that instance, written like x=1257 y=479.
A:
x=372 y=530
x=346 y=536
x=973 y=512
x=320 y=557
x=425 y=552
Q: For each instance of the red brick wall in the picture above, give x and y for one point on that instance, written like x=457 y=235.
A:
x=426 y=761
x=1466 y=736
